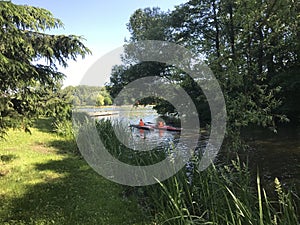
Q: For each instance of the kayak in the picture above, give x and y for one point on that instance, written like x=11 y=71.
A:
x=165 y=127
x=168 y=128
x=145 y=127
x=152 y=127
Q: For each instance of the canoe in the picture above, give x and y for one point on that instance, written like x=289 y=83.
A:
x=152 y=127
x=168 y=128
x=145 y=127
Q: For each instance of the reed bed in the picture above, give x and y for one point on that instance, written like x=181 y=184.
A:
x=222 y=194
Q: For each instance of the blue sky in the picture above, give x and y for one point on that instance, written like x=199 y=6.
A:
x=101 y=23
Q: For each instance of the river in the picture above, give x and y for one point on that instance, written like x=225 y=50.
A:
x=275 y=154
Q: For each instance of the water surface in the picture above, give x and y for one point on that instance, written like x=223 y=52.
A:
x=275 y=154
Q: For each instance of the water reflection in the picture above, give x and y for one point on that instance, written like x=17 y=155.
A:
x=276 y=155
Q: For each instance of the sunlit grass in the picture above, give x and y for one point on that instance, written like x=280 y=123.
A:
x=42 y=181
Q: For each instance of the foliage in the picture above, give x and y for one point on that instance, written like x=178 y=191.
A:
x=61 y=101
x=84 y=95
x=147 y=24
x=248 y=45
x=100 y=100
x=290 y=93
x=25 y=81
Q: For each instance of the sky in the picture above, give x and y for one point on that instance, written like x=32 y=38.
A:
x=101 y=23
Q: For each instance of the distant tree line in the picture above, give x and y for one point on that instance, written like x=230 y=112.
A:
x=84 y=95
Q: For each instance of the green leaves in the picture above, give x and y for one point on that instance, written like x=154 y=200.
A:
x=148 y=24
x=27 y=17
x=250 y=46
x=23 y=42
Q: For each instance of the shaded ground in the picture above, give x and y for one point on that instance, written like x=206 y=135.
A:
x=41 y=183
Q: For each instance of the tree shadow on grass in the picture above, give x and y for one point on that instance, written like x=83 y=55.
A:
x=44 y=125
x=65 y=146
x=72 y=193
x=4 y=160
x=7 y=158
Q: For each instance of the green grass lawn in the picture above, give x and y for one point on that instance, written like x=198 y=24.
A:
x=41 y=182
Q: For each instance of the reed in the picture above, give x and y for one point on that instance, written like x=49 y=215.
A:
x=222 y=194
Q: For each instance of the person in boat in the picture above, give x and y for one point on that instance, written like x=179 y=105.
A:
x=141 y=123
x=160 y=124
x=161 y=131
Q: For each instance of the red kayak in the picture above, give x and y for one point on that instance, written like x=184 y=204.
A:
x=168 y=128
x=145 y=127
x=152 y=127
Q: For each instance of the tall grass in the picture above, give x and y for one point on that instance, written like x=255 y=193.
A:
x=222 y=194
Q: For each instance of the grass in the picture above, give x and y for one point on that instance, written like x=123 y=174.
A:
x=221 y=196
x=42 y=181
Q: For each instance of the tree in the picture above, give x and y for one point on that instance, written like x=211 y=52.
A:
x=24 y=44
x=88 y=95
x=153 y=24
x=100 y=100
x=148 y=24
x=107 y=101
x=247 y=44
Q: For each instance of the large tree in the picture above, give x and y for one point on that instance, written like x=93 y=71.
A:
x=247 y=44
x=29 y=57
x=152 y=24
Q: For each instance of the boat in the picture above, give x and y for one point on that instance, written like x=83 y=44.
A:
x=145 y=127
x=168 y=128
x=152 y=126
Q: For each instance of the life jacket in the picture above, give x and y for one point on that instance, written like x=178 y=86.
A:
x=141 y=123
